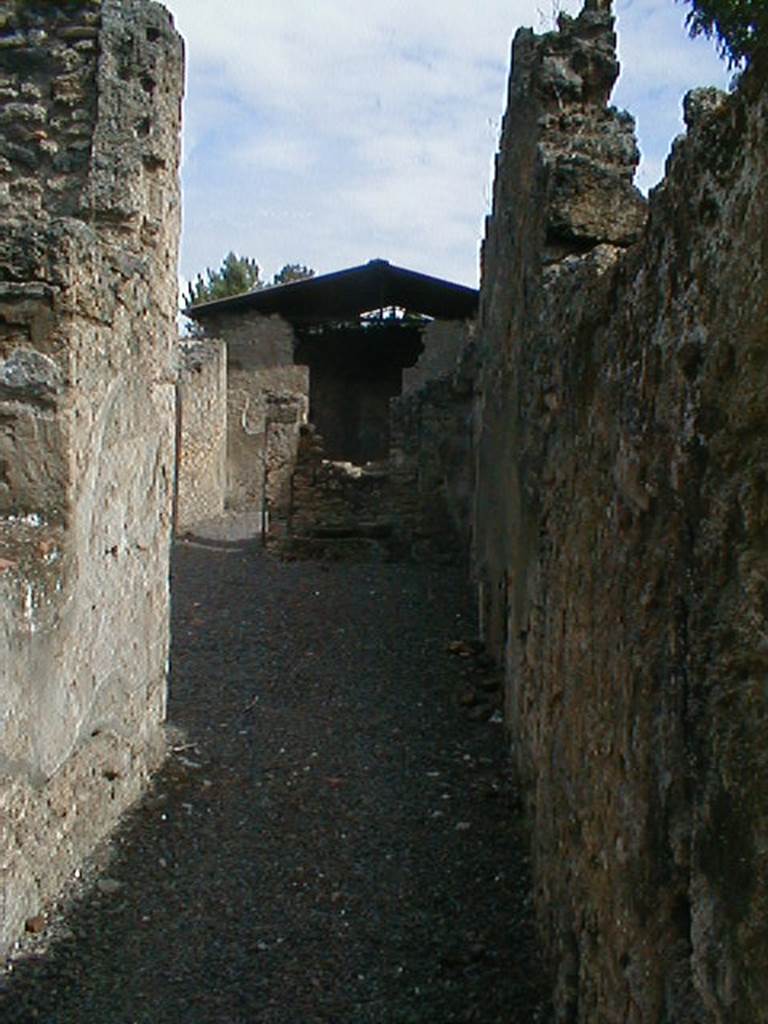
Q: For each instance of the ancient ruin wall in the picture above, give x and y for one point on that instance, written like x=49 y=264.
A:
x=254 y=341
x=267 y=401
x=415 y=504
x=201 y=456
x=444 y=341
x=338 y=511
x=265 y=410
x=89 y=123
x=431 y=475
x=621 y=538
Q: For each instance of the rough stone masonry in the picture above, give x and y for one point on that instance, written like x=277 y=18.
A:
x=621 y=531
x=89 y=213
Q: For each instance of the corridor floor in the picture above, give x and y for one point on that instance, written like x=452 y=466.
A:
x=333 y=839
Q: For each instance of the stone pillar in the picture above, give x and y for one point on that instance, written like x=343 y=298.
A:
x=89 y=204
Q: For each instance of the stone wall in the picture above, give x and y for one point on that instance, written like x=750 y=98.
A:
x=338 y=511
x=201 y=457
x=620 y=532
x=416 y=502
x=265 y=410
x=89 y=123
x=254 y=341
x=444 y=341
x=267 y=402
x=431 y=471
x=414 y=505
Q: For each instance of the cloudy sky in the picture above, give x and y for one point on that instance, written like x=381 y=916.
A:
x=331 y=132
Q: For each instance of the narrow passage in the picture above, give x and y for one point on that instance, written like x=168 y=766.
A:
x=334 y=838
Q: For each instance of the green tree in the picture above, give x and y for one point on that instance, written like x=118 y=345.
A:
x=292 y=272
x=237 y=274
x=739 y=27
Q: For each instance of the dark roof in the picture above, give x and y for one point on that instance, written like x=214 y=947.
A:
x=347 y=293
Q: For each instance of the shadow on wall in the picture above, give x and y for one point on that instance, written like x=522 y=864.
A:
x=619 y=531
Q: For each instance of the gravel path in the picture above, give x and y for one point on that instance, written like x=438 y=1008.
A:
x=334 y=838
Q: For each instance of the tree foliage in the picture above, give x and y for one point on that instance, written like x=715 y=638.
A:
x=236 y=275
x=292 y=272
x=739 y=27
x=239 y=274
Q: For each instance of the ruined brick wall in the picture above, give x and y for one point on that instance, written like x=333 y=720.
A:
x=338 y=511
x=201 y=457
x=415 y=505
x=89 y=123
x=285 y=414
x=620 y=534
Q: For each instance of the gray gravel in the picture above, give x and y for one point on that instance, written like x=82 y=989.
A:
x=335 y=837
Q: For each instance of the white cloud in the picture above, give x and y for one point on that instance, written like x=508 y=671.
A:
x=332 y=133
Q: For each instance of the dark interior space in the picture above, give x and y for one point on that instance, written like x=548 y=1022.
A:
x=355 y=369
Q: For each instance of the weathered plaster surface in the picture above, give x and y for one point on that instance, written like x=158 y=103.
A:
x=254 y=341
x=89 y=121
x=201 y=466
x=265 y=410
x=620 y=534
x=444 y=341
x=267 y=401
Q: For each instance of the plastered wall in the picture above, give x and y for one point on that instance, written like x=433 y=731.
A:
x=89 y=124
x=202 y=432
x=444 y=342
x=265 y=410
x=267 y=401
